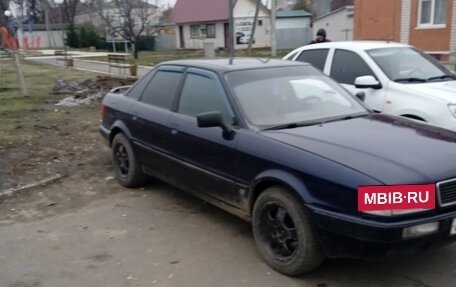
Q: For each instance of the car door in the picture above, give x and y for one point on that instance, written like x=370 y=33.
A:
x=150 y=116
x=205 y=158
x=346 y=66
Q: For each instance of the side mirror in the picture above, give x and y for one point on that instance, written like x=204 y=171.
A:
x=212 y=119
x=365 y=82
x=361 y=96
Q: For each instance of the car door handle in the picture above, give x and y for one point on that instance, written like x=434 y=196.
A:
x=174 y=128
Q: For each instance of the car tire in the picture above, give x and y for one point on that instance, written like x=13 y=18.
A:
x=125 y=163
x=283 y=233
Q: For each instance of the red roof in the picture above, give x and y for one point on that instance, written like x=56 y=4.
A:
x=191 y=11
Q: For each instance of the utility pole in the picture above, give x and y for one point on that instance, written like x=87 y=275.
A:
x=15 y=50
x=273 y=29
x=231 y=24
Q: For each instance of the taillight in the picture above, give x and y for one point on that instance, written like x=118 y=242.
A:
x=101 y=110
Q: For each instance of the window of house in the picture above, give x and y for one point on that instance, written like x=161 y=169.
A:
x=431 y=13
x=347 y=66
x=210 y=29
x=161 y=90
x=202 y=31
x=260 y=22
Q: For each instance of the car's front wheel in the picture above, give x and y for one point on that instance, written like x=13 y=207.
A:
x=125 y=163
x=282 y=231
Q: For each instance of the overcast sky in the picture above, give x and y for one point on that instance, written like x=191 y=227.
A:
x=165 y=2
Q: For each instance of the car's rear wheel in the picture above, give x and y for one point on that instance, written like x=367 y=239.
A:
x=126 y=166
x=283 y=233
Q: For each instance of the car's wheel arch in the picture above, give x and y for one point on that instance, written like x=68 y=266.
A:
x=118 y=127
x=282 y=178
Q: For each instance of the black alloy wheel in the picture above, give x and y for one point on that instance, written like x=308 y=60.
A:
x=283 y=232
x=125 y=163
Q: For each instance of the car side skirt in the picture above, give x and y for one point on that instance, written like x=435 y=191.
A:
x=202 y=195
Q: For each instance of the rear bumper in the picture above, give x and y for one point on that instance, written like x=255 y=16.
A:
x=105 y=133
x=344 y=237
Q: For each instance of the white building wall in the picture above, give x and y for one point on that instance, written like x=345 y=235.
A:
x=40 y=39
x=338 y=26
x=405 y=21
x=453 y=33
x=192 y=43
x=246 y=8
x=262 y=33
x=244 y=11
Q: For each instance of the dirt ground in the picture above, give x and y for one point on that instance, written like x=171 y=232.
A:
x=66 y=145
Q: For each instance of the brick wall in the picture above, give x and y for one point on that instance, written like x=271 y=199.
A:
x=431 y=39
x=377 y=20
x=381 y=20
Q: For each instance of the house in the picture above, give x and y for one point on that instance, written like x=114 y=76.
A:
x=292 y=19
x=427 y=24
x=292 y=28
x=201 y=21
x=338 y=24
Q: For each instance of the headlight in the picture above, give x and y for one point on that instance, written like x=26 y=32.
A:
x=395 y=212
x=452 y=108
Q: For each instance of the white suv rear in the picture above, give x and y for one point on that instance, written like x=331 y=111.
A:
x=397 y=79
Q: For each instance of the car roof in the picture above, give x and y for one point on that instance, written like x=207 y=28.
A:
x=356 y=45
x=232 y=64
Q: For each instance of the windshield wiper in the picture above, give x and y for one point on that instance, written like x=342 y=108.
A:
x=442 y=77
x=312 y=123
x=290 y=126
x=344 y=118
x=410 y=80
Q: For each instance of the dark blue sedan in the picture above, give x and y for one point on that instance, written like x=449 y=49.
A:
x=281 y=145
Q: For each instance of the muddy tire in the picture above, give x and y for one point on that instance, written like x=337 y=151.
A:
x=283 y=233
x=125 y=163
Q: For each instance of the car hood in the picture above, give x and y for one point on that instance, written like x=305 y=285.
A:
x=392 y=150
x=446 y=91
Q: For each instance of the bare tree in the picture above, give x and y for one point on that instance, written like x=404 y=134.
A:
x=3 y=6
x=303 y=5
x=255 y=20
x=130 y=19
x=69 y=10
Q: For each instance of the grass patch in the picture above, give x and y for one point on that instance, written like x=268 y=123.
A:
x=20 y=114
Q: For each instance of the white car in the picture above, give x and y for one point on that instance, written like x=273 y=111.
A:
x=396 y=79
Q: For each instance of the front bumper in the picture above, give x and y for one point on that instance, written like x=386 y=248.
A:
x=348 y=237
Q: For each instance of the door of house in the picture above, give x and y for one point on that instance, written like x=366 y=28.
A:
x=181 y=36
x=226 y=29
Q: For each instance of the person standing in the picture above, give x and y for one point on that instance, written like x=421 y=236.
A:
x=321 y=37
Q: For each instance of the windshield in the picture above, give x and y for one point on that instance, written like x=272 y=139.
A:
x=290 y=96
x=409 y=65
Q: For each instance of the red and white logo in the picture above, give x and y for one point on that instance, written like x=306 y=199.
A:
x=395 y=197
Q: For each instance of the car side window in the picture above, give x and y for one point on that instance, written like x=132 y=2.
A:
x=316 y=58
x=161 y=90
x=347 y=66
x=203 y=94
